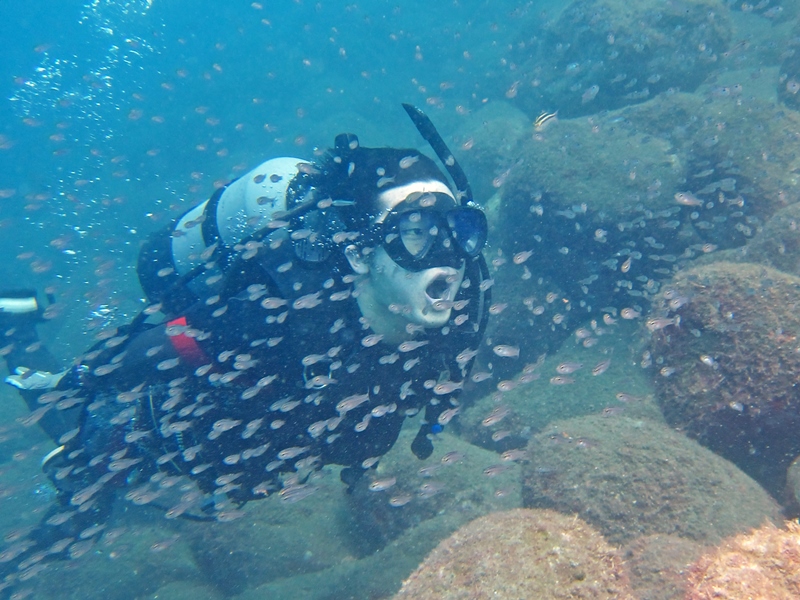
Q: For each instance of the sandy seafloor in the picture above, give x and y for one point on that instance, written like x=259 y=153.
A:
x=117 y=116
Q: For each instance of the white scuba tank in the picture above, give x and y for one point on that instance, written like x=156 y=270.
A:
x=244 y=207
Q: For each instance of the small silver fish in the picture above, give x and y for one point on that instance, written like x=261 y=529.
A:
x=371 y=340
x=319 y=381
x=497 y=415
x=465 y=356
x=480 y=376
x=406 y=391
x=601 y=367
x=400 y=500
x=407 y=161
x=687 y=199
x=500 y=435
x=657 y=324
x=514 y=455
x=307 y=301
x=447 y=416
x=506 y=351
x=351 y=402
x=521 y=257
x=290 y=453
x=447 y=387
x=452 y=458
x=272 y=303
x=566 y=368
x=410 y=364
x=408 y=346
x=380 y=485
x=495 y=470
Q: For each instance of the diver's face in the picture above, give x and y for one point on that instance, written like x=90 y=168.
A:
x=424 y=297
x=391 y=296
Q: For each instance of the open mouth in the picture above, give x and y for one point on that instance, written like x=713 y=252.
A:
x=438 y=289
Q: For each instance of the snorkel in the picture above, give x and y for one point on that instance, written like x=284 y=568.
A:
x=428 y=131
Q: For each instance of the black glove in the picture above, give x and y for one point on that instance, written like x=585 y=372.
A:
x=422 y=447
x=350 y=476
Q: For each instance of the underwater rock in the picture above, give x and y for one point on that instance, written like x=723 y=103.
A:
x=520 y=554
x=727 y=376
x=603 y=54
x=764 y=563
x=610 y=206
x=271 y=540
x=131 y=558
x=579 y=204
x=378 y=575
x=186 y=590
x=792 y=492
x=601 y=162
x=500 y=421
x=776 y=245
x=658 y=564
x=788 y=84
x=740 y=154
x=450 y=481
x=486 y=144
x=630 y=478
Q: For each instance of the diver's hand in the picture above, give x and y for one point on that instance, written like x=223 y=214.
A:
x=25 y=379
x=422 y=447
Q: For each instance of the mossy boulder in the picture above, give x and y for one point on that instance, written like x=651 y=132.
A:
x=764 y=563
x=630 y=478
x=603 y=54
x=520 y=554
x=727 y=375
x=451 y=481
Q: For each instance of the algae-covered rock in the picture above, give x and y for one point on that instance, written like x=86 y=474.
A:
x=132 y=558
x=520 y=554
x=776 y=245
x=728 y=374
x=739 y=145
x=658 y=564
x=788 y=87
x=764 y=563
x=792 y=492
x=603 y=54
x=599 y=162
x=378 y=575
x=452 y=480
x=630 y=478
x=578 y=201
x=608 y=206
x=486 y=144
x=502 y=421
x=186 y=590
x=272 y=539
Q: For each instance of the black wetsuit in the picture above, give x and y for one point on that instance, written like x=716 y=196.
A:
x=238 y=389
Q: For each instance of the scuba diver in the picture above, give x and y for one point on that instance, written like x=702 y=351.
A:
x=307 y=309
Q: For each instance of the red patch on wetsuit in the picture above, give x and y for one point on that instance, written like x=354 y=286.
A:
x=187 y=347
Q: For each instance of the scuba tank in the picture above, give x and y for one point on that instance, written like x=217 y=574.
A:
x=186 y=260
